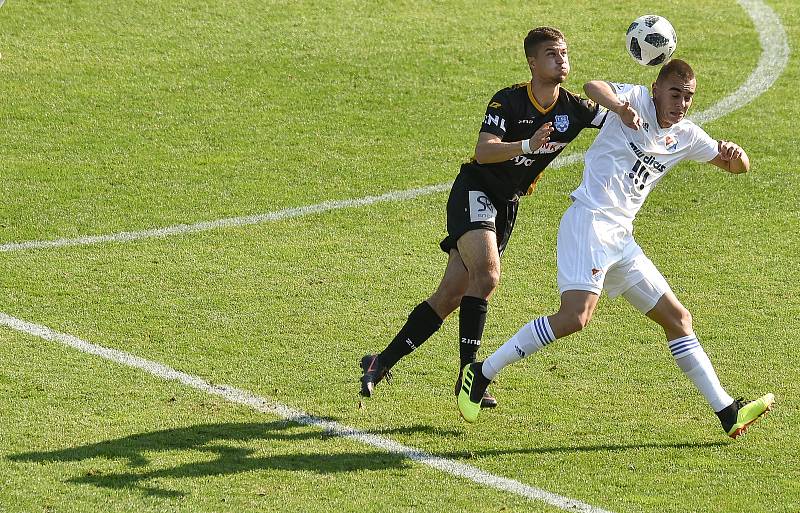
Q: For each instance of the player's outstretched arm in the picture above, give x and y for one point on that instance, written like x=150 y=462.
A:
x=491 y=148
x=731 y=158
x=602 y=93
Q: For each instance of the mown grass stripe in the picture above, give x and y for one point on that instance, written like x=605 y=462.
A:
x=261 y=404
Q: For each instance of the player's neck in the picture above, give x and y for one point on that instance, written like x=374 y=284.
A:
x=546 y=93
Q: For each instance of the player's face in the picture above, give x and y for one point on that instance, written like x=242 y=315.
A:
x=673 y=97
x=551 y=63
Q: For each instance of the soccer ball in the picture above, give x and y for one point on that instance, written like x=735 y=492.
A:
x=651 y=40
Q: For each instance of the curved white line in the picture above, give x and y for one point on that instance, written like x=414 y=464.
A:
x=774 y=59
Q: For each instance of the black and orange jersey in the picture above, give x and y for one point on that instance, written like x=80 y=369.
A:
x=514 y=114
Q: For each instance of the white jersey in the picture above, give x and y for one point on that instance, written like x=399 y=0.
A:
x=623 y=165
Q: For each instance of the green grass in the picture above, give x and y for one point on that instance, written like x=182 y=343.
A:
x=132 y=115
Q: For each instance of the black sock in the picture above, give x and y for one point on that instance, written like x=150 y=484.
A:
x=471 y=320
x=423 y=321
x=728 y=415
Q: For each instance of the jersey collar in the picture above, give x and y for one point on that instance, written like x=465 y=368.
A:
x=532 y=98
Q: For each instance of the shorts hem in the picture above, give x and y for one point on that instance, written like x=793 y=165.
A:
x=451 y=241
x=580 y=286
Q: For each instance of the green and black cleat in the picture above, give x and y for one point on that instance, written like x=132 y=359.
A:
x=473 y=387
x=737 y=417
x=487 y=401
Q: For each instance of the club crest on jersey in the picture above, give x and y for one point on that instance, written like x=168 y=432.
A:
x=561 y=122
x=671 y=143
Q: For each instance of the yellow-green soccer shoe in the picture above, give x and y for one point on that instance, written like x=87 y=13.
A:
x=737 y=417
x=473 y=387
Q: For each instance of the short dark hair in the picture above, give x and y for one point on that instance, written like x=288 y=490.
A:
x=540 y=35
x=678 y=68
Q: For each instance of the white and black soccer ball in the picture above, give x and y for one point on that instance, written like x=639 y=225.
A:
x=651 y=40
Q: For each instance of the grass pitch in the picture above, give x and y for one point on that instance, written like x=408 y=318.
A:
x=132 y=115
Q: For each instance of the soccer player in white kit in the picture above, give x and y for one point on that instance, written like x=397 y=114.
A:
x=643 y=137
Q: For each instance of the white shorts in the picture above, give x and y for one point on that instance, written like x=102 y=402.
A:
x=596 y=253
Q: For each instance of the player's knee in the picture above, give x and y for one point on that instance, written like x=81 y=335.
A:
x=491 y=279
x=574 y=322
x=582 y=319
x=486 y=280
x=677 y=322
x=682 y=320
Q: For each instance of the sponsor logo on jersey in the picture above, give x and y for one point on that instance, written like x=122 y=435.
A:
x=494 y=120
x=596 y=273
x=562 y=122
x=671 y=143
x=550 y=147
x=522 y=160
x=495 y=105
x=646 y=126
x=648 y=160
x=526 y=121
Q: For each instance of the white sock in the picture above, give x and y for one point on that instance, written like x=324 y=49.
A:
x=529 y=339
x=694 y=362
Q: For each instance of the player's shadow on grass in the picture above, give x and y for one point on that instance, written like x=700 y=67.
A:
x=232 y=447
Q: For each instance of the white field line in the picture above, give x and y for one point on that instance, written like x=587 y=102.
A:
x=774 y=59
x=261 y=404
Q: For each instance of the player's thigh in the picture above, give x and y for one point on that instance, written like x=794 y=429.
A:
x=479 y=253
x=578 y=303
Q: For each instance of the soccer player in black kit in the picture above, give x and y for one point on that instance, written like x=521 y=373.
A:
x=525 y=127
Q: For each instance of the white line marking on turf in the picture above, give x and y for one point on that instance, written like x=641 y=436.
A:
x=774 y=59
x=261 y=404
x=227 y=222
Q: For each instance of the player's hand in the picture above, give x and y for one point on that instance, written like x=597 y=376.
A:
x=629 y=116
x=729 y=151
x=541 y=136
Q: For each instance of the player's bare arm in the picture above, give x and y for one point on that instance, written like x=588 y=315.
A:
x=601 y=92
x=732 y=158
x=491 y=148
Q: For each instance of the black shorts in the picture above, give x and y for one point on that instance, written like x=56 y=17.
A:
x=469 y=208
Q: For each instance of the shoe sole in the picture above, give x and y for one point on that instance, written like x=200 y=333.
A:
x=739 y=432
